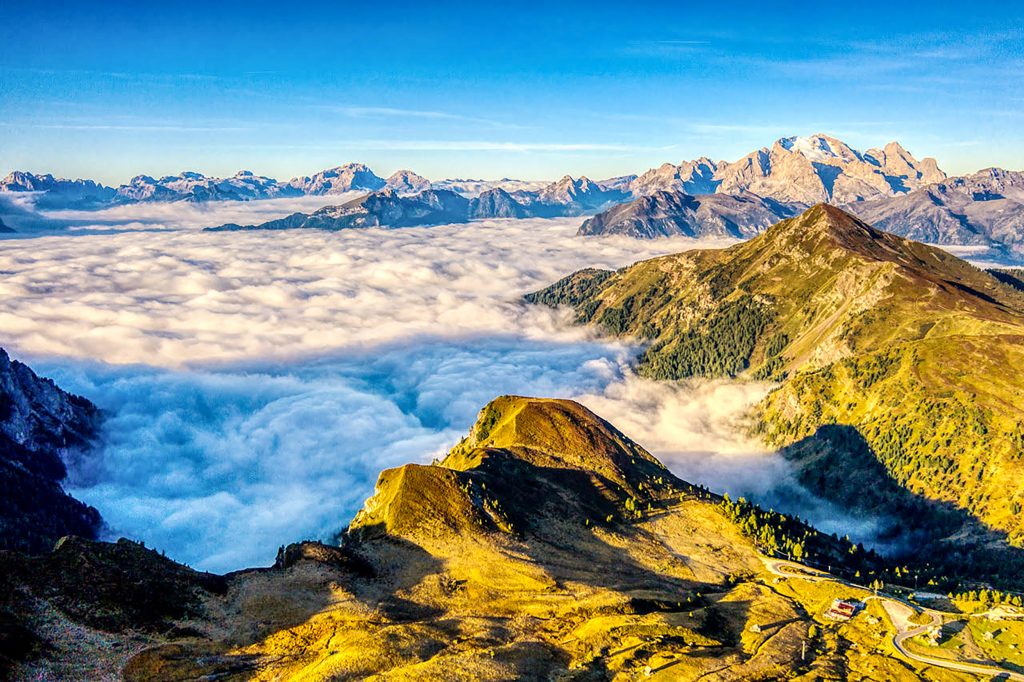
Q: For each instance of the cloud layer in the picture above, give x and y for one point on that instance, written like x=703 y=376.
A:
x=258 y=382
x=183 y=297
x=219 y=468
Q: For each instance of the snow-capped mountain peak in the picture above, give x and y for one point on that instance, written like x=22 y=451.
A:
x=821 y=148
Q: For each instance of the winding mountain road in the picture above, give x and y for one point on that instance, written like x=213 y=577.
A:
x=899 y=613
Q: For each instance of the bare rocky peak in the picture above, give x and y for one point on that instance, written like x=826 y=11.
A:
x=689 y=177
x=823 y=168
x=406 y=181
x=36 y=414
x=351 y=176
x=799 y=169
x=581 y=191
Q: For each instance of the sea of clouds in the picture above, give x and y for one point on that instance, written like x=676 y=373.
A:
x=257 y=382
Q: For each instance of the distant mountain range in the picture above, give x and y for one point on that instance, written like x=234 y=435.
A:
x=389 y=208
x=801 y=170
x=58 y=193
x=984 y=208
x=887 y=186
x=663 y=213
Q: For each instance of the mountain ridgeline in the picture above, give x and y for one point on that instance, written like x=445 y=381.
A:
x=904 y=346
x=545 y=545
x=886 y=186
x=674 y=213
x=389 y=208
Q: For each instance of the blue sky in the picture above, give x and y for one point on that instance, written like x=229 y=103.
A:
x=109 y=90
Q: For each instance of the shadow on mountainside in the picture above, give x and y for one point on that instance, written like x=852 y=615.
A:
x=837 y=464
x=309 y=579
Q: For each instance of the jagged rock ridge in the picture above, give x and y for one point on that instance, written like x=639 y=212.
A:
x=388 y=208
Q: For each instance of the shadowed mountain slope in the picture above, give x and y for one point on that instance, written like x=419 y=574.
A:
x=668 y=213
x=546 y=544
x=39 y=425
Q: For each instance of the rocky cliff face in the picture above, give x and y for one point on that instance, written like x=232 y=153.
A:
x=820 y=168
x=689 y=177
x=800 y=170
x=39 y=425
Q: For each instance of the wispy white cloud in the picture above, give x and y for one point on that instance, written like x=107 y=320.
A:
x=119 y=75
x=142 y=127
x=494 y=145
x=283 y=370
x=666 y=48
x=393 y=112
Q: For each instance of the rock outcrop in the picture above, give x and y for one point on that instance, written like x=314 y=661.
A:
x=407 y=182
x=39 y=426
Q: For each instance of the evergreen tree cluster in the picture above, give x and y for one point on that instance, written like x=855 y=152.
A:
x=720 y=347
x=778 y=534
x=989 y=597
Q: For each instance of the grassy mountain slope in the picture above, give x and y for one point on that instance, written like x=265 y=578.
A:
x=546 y=545
x=908 y=345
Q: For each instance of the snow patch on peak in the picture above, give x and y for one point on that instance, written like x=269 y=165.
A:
x=819 y=147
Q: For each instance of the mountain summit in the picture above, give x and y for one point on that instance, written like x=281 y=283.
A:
x=522 y=456
x=546 y=545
